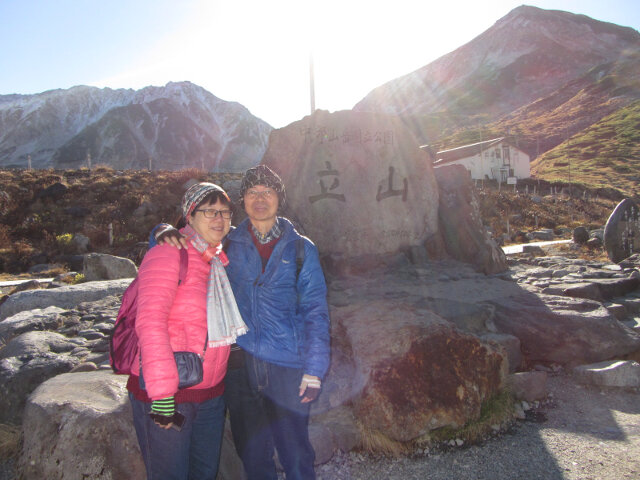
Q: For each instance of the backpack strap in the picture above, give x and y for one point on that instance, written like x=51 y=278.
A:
x=299 y=256
x=184 y=264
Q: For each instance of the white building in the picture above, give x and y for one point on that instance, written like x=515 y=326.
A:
x=495 y=159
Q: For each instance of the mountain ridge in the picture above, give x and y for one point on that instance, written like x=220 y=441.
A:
x=180 y=125
x=541 y=76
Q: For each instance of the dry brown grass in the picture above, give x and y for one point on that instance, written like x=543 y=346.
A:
x=374 y=441
x=10 y=438
x=526 y=212
x=32 y=226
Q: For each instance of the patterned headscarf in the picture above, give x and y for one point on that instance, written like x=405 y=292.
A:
x=196 y=193
x=263 y=175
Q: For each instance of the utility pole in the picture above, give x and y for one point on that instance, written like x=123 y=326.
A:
x=566 y=136
x=482 y=162
x=312 y=88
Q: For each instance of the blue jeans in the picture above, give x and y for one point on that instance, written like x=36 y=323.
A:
x=265 y=411
x=190 y=454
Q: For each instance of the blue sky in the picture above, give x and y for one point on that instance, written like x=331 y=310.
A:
x=255 y=52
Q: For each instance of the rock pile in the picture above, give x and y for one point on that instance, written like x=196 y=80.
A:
x=414 y=347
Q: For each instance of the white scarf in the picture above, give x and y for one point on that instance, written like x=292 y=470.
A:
x=224 y=322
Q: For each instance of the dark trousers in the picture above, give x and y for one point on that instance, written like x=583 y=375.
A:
x=265 y=411
x=190 y=454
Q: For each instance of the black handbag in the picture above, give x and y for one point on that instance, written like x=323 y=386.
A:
x=189 y=369
x=189 y=366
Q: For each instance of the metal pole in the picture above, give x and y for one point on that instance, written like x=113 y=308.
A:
x=482 y=163
x=312 y=87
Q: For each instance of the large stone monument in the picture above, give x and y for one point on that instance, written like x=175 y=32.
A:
x=357 y=183
x=461 y=228
x=622 y=231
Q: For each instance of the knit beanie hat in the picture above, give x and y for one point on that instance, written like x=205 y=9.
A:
x=263 y=175
x=196 y=193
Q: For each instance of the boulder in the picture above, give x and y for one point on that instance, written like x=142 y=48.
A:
x=476 y=318
x=335 y=430
x=580 y=235
x=63 y=297
x=33 y=344
x=564 y=330
x=79 y=425
x=534 y=250
x=622 y=231
x=38 y=319
x=75 y=262
x=594 y=243
x=414 y=371
x=632 y=261
x=602 y=289
x=460 y=223
x=541 y=235
x=33 y=284
x=511 y=346
x=26 y=362
x=100 y=266
x=528 y=386
x=357 y=182
x=68 y=416
x=80 y=243
x=612 y=373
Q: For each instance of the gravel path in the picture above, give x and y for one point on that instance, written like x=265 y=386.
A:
x=582 y=433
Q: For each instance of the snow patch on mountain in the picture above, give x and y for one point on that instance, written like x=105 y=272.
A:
x=179 y=125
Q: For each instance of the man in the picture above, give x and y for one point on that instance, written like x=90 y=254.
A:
x=276 y=369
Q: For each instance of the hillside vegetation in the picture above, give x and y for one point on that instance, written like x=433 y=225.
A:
x=42 y=210
x=564 y=87
x=606 y=153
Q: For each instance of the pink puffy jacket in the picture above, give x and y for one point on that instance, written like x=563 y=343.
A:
x=173 y=318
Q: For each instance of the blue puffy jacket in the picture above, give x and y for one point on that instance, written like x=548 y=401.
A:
x=288 y=323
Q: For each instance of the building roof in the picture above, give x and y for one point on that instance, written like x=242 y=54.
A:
x=465 y=151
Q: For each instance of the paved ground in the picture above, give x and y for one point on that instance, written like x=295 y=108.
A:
x=511 y=249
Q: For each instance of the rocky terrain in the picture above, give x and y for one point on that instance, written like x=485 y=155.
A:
x=579 y=432
x=433 y=330
x=59 y=332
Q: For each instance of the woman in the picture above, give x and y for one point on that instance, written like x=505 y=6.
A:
x=180 y=430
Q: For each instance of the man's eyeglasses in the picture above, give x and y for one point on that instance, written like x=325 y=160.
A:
x=213 y=213
x=266 y=194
